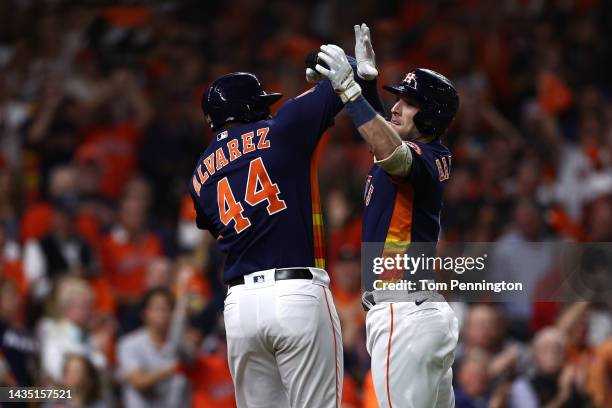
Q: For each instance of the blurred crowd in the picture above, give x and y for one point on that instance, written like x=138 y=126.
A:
x=107 y=287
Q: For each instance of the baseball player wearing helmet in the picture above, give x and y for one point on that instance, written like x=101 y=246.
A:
x=255 y=189
x=411 y=336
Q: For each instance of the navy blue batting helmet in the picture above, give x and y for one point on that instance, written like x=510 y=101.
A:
x=436 y=97
x=237 y=97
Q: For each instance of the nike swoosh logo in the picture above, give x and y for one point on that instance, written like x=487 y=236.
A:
x=419 y=302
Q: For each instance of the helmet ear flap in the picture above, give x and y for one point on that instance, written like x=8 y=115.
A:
x=431 y=120
x=424 y=120
x=253 y=111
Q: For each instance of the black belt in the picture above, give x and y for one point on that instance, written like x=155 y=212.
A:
x=279 y=274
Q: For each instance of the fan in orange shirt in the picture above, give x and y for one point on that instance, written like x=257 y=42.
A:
x=112 y=141
x=128 y=250
x=63 y=186
x=369 y=395
x=113 y=148
x=209 y=374
x=11 y=267
x=600 y=376
x=36 y=220
x=346 y=271
x=350 y=392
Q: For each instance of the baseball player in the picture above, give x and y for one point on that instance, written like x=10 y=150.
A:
x=411 y=336
x=255 y=190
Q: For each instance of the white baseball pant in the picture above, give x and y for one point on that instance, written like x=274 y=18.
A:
x=412 y=348
x=284 y=342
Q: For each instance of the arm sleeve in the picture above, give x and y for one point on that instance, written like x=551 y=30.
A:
x=419 y=169
x=203 y=222
x=307 y=116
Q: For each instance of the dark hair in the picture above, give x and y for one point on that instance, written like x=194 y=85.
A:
x=158 y=291
x=92 y=377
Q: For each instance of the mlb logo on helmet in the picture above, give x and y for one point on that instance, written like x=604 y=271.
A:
x=258 y=279
x=410 y=80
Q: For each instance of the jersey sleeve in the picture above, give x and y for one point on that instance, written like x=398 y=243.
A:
x=203 y=222
x=307 y=116
x=421 y=169
x=418 y=170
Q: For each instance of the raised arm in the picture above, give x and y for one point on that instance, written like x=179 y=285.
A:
x=390 y=153
x=367 y=73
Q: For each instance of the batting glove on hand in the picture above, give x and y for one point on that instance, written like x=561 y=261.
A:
x=364 y=53
x=340 y=72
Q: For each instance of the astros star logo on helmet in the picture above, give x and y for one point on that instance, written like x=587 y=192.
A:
x=410 y=80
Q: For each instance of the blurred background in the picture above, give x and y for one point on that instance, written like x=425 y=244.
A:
x=100 y=127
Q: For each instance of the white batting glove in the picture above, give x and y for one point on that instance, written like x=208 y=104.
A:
x=312 y=76
x=340 y=72
x=364 y=53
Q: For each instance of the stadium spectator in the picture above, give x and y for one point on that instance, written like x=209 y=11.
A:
x=346 y=288
x=522 y=254
x=207 y=371
x=59 y=252
x=599 y=376
x=82 y=379
x=203 y=361
x=126 y=254
x=550 y=382
x=38 y=217
x=17 y=343
x=66 y=329
x=6 y=379
x=11 y=265
x=484 y=330
x=369 y=394
x=159 y=274
x=148 y=362
x=351 y=397
x=113 y=136
x=8 y=208
x=473 y=381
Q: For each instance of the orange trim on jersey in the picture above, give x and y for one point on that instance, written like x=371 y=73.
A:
x=317 y=217
x=401 y=220
x=389 y=357
x=400 y=228
x=331 y=321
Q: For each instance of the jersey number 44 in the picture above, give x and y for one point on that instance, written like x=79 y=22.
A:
x=259 y=188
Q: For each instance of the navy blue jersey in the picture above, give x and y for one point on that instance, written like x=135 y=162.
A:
x=401 y=210
x=255 y=187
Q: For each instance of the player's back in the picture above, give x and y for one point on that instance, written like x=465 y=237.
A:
x=254 y=191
